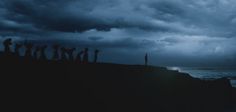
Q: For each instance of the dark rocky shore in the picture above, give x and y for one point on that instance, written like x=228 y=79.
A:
x=118 y=88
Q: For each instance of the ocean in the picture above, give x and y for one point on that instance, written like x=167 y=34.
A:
x=209 y=73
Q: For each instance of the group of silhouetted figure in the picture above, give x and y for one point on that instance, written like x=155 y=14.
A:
x=59 y=53
x=38 y=52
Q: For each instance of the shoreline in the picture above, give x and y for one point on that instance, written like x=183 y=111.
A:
x=191 y=71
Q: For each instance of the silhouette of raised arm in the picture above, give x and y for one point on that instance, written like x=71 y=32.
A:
x=70 y=53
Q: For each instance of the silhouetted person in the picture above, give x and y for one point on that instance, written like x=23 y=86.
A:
x=7 y=43
x=146 y=59
x=17 y=47
x=36 y=52
x=70 y=53
x=28 y=51
x=85 y=55
x=55 y=52
x=78 y=57
x=63 y=53
x=96 y=55
x=42 y=53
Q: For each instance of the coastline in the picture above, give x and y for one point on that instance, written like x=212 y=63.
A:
x=209 y=73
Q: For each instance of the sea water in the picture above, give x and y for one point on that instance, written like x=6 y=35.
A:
x=209 y=73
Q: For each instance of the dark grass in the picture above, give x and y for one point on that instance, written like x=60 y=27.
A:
x=112 y=88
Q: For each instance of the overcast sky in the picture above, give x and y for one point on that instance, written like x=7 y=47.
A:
x=172 y=32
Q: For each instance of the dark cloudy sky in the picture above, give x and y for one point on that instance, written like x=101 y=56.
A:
x=173 y=32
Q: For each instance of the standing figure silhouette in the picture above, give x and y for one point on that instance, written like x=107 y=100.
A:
x=7 y=43
x=55 y=52
x=36 y=52
x=85 y=56
x=70 y=53
x=42 y=53
x=78 y=57
x=96 y=55
x=28 y=51
x=17 y=47
x=146 y=59
x=63 y=54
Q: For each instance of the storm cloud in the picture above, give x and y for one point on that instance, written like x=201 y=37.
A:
x=173 y=32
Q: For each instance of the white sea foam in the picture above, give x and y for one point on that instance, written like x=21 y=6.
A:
x=209 y=73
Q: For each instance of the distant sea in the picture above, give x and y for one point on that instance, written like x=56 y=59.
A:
x=209 y=73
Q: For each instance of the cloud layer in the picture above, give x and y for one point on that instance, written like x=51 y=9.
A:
x=173 y=32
